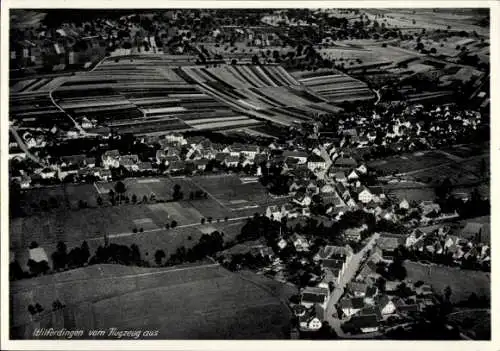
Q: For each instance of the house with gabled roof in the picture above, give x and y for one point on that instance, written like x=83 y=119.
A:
x=337 y=252
x=130 y=162
x=25 y=182
x=368 y=271
x=316 y=162
x=176 y=166
x=362 y=169
x=351 y=306
x=354 y=234
x=351 y=202
x=364 y=323
x=302 y=200
x=289 y=211
x=249 y=151
x=111 y=159
x=291 y=163
x=340 y=177
x=377 y=193
x=371 y=310
x=145 y=167
x=358 y=289
x=364 y=195
x=404 y=204
x=411 y=309
x=178 y=138
x=300 y=156
x=300 y=242
x=231 y=161
x=334 y=270
x=310 y=296
x=297 y=185
x=201 y=164
x=328 y=188
x=370 y=294
x=309 y=319
x=352 y=176
x=415 y=236
x=273 y=212
x=385 y=305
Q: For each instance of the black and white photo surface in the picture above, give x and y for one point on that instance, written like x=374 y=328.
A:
x=232 y=173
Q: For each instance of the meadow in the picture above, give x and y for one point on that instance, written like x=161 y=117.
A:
x=195 y=302
x=408 y=162
x=461 y=282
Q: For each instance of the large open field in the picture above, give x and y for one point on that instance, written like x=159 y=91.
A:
x=228 y=197
x=409 y=162
x=194 y=302
x=463 y=19
x=148 y=241
x=243 y=197
x=161 y=187
x=410 y=191
x=461 y=282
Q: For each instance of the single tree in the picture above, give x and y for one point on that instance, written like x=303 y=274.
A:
x=120 y=189
x=447 y=293
x=159 y=256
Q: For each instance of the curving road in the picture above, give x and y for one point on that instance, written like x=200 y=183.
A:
x=23 y=147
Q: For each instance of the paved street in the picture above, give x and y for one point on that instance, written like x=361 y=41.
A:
x=349 y=274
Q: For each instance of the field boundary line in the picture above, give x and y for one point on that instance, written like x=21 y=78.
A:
x=97 y=188
x=210 y=194
x=268 y=290
x=128 y=276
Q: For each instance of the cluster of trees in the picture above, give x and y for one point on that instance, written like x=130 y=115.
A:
x=383 y=225
x=257 y=227
x=120 y=254
x=207 y=246
x=76 y=257
x=177 y=194
x=392 y=271
x=247 y=260
x=35 y=309
x=274 y=181
x=61 y=259
x=353 y=219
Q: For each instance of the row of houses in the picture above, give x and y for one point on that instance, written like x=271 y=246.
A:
x=365 y=308
x=334 y=261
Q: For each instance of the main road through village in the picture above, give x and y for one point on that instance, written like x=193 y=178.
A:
x=349 y=274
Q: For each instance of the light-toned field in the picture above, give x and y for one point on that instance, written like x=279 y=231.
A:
x=463 y=19
x=242 y=198
x=461 y=282
x=205 y=302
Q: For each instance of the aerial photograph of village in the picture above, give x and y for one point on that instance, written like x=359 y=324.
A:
x=260 y=173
